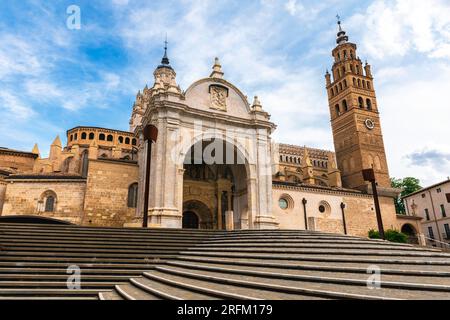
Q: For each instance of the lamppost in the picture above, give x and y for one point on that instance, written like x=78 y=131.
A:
x=369 y=175
x=150 y=135
x=304 y=202
x=343 y=217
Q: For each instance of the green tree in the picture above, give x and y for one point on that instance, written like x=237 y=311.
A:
x=408 y=185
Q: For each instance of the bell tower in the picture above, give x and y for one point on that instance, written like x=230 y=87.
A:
x=355 y=120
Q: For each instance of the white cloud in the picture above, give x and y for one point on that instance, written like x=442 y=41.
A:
x=10 y=102
x=395 y=28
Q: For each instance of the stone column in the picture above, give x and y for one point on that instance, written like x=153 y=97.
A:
x=229 y=220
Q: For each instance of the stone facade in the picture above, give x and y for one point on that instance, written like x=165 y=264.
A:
x=25 y=195
x=106 y=201
x=432 y=205
x=214 y=164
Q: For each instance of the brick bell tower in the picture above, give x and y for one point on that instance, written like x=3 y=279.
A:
x=355 y=120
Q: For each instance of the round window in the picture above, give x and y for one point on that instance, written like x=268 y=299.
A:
x=322 y=208
x=283 y=203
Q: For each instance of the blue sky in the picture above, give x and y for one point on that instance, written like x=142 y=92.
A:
x=53 y=78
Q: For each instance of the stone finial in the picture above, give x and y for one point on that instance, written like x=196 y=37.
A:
x=217 y=70
x=36 y=150
x=334 y=175
x=331 y=161
x=256 y=104
x=306 y=159
x=57 y=142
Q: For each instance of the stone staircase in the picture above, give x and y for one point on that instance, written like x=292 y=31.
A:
x=135 y=264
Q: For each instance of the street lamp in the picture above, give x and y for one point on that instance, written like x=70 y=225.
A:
x=150 y=135
x=304 y=202
x=369 y=175
x=343 y=217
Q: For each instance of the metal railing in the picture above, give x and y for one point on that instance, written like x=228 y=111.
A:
x=435 y=243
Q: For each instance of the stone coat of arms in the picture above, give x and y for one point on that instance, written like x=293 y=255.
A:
x=218 y=98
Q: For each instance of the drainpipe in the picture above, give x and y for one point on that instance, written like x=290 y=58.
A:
x=304 y=202
x=343 y=217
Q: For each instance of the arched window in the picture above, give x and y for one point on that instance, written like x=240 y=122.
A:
x=71 y=137
x=132 y=195
x=101 y=136
x=343 y=71
x=359 y=83
x=83 y=136
x=281 y=158
x=120 y=139
x=361 y=102
x=369 y=104
x=127 y=140
x=50 y=204
x=76 y=136
x=364 y=84
x=354 y=82
x=351 y=54
x=338 y=111
x=345 y=54
x=91 y=136
x=345 y=83
x=47 y=202
x=344 y=104
x=368 y=85
x=339 y=56
x=133 y=142
x=357 y=69
x=332 y=92
x=110 y=137
x=340 y=86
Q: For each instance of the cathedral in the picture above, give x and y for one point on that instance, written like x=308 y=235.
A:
x=214 y=164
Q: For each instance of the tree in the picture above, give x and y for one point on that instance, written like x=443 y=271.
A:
x=408 y=185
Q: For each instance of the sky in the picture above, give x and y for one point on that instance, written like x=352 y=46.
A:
x=53 y=77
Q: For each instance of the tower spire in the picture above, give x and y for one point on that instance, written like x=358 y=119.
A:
x=165 y=59
x=341 y=36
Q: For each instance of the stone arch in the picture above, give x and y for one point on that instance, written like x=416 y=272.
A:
x=202 y=211
x=47 y=202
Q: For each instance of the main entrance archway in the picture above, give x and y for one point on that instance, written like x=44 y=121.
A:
x=215 y=181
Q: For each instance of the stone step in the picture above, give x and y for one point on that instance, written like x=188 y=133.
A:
x=63 y=293
x=321 y=251
x=109 y=295
x=96 y=242
x=130 y=292
x=338 y=290
x=324 y=258
x=7 y=272
x=62 y=267
x=406 y=281
x=167 y=291
x=296 y=266
x=48 y=298
x=98 y=236
x=51 y=283
x=88 y=254
x=62 y=277
x=86 y=259
x=300 y=245
x=123 y=230
x=92 y=249
x=225 y=290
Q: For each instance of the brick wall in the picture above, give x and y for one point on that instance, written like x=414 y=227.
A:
x=22 y=198
x=2 y=194
x=107 y=193
x=21 y=163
